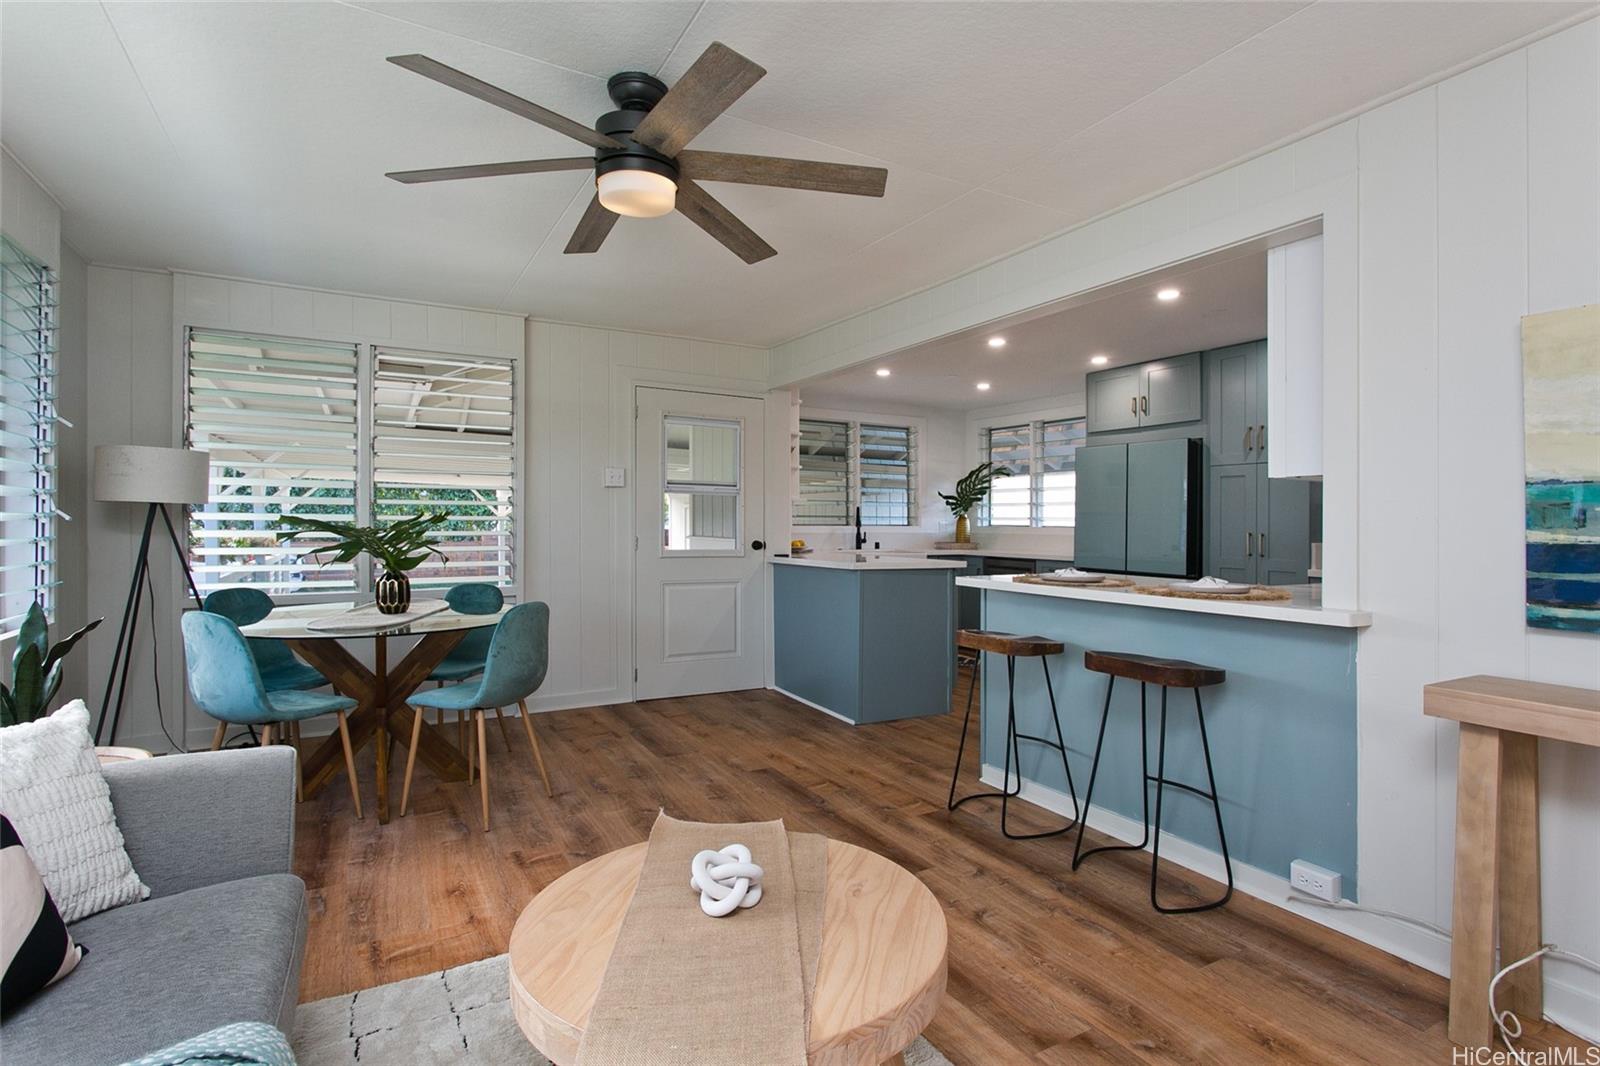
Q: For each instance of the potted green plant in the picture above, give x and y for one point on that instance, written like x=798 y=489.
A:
x=35 y=668
x=399 y=547
x=970 y=490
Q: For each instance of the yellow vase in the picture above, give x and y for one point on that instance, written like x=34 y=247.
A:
x=963 y=530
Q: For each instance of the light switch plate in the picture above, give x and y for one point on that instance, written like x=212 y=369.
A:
x=616 y=477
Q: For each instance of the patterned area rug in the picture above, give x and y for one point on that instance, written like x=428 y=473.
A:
x=460 y=1016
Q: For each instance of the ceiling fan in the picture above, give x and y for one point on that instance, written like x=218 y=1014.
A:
x=641 y=165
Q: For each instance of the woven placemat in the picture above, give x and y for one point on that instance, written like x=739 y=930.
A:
x=1046 y=579
x=1257 y=594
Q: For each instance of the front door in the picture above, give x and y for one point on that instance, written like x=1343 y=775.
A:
x=699 y=594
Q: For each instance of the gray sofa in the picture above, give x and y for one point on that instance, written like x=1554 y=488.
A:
x=221 y=937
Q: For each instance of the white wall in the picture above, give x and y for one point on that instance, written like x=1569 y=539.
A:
x=1447 y=215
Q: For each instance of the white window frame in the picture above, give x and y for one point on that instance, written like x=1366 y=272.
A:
x=39 y=445
x=855 y=420
x=1035 y=427
x=366 y=355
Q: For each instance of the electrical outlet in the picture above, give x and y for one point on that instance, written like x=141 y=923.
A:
x=1313 y=880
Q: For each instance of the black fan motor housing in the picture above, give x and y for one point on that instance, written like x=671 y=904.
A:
x=619 y=126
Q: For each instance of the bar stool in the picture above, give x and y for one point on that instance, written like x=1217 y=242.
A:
x=1011 y=646
x=1167 y=673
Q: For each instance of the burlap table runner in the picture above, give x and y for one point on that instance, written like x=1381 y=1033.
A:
x=1257 y=594
x=684 y=988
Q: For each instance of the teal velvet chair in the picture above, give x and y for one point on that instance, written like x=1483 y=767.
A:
x=280 y=670
x=225 y=683
x=519 y=655
x=466 y=659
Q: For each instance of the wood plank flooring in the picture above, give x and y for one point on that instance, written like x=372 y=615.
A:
x=1046 y=966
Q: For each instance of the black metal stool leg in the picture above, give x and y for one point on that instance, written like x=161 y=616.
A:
x=961 y=748
x=1078 y=854
x=1216 y=806
x=1059 y=744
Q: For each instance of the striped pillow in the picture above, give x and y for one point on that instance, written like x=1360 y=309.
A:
x=34 y=943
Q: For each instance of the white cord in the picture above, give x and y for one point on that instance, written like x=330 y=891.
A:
x=1506 y=1021
x=1296 y=896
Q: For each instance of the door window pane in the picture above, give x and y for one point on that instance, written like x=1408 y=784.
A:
x=700 y=508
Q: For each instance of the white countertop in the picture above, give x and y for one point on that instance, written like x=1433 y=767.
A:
x=867 y=561
x=1305 y=607
x=940 y=553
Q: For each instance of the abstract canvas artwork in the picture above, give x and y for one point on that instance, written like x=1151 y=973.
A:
x=1561 y=423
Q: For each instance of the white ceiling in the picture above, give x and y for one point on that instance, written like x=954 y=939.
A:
x=1222 y=301
x=251 y=138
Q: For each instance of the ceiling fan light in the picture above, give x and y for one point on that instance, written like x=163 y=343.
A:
x=637 y=193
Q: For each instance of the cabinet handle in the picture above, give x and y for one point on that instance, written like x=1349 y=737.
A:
x=1249 y=545
x=1144 y=404
x=1247 y=439
x=1133 y=404
x=1261 y=438
x=1263 y=545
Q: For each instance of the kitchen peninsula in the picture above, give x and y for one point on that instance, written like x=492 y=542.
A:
x=1282 y=726
x=865 y=637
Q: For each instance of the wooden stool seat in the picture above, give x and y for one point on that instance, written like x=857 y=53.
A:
x=1168 y=673
x=1007 y=643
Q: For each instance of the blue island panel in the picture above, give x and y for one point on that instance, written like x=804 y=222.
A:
x=1282 y=727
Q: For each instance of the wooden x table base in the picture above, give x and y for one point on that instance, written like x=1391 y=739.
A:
x=382 y=713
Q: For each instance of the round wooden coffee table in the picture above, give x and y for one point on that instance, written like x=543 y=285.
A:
x=880 y=974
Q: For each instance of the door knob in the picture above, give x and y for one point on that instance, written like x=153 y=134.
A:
x=757 y=545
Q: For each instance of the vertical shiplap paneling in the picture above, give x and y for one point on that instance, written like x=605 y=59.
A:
x=1482 y=209
x=1564 y=271
x=1398 y=508
x=595 y=545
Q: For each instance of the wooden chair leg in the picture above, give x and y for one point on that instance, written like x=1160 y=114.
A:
x=299 y=767
x=350 y=764
x=219 y=736
x=533 y=742
x=266 y=735
x=411 y=758
x=505 y=735
x=472 y=757
x=461 y=732
x=483 y=767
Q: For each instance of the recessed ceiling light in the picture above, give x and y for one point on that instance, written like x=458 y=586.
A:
x=1099 y=360
x=997 y=342
x=983 y=386
x=883 y=371
x=1168 y=294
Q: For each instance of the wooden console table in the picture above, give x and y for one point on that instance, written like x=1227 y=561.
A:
x=1497 y=834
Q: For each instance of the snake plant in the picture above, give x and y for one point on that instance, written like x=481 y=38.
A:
x=35 y=669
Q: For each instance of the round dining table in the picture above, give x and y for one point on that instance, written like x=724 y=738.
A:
x=382 y=715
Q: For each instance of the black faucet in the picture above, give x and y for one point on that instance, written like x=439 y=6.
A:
x=861 y=538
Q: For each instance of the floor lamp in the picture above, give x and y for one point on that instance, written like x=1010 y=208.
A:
x=131 y=473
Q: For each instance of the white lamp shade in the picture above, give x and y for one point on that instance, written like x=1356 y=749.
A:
x=636 y=193
x=135 y=473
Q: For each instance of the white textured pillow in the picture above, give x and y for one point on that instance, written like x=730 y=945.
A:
x=60 y=805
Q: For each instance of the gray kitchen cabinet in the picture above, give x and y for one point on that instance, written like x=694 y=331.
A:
x=1101 y=535
x=1161 y=392
x=1169 y=390
x=1259 y=529
x=1160 y=512
x=1230 y=534
x=1283 y=532
x=1112 y=400
x=1238 y=401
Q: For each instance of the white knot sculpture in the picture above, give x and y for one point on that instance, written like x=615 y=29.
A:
x=726 y=880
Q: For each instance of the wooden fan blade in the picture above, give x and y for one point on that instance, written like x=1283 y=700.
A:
x=592 y=229
x=492 y=170
x=782 y=173
x=432 y=68
x=705 y=211
x=707 y=89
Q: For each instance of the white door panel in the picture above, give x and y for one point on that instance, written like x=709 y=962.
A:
x=699 y=595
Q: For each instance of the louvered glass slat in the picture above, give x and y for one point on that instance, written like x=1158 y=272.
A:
x=27 y=435
x=1058 y=478
x=279 y=417
x=1010 y=496
x=443 y=439
x=824 y=497
x=887 y=455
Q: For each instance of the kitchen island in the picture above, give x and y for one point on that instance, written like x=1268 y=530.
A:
x=865 y=637
x=1282 y=727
